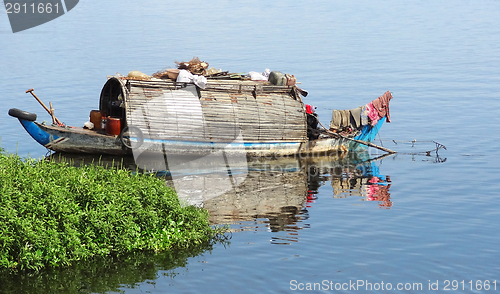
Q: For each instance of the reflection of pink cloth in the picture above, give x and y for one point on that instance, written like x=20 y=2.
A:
x=378 y=192
x=373 y=192
x=373 y=189
x=372 y=113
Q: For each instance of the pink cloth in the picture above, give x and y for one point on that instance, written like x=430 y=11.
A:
x=372 y=113
x=381 y=104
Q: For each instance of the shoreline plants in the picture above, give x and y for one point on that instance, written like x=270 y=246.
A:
x=53 y=214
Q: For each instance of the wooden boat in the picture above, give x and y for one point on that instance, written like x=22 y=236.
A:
x=164 y=116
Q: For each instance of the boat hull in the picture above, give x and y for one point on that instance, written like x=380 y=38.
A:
x=74 y=140
x=79 y=140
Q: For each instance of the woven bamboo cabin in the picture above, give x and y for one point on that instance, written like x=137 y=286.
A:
x=226 y=114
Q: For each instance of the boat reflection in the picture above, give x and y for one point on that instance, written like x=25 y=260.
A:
x=357 y=175
x=265 y=194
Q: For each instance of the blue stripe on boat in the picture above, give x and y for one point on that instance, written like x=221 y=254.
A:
x=233 y=144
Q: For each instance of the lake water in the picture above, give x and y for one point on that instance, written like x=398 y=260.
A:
x=434 y=220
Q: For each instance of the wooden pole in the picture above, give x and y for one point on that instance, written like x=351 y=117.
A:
x=52 y=113
x=48 y=110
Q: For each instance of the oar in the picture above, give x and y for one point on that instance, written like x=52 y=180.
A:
x=48 y=110
x=357 y=141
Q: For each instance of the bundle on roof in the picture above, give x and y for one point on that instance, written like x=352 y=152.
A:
x=170 y=73
x=195 y=66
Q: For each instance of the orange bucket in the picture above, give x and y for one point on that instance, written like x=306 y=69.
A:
x=95 y=118
x=113 y=126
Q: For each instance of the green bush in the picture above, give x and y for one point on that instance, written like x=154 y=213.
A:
x=52 y=214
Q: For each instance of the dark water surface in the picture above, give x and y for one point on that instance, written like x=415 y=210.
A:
x=431 y=220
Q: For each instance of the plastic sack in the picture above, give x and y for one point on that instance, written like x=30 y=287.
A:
x=187 y=77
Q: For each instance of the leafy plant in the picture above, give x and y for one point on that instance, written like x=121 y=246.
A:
x=52 y=214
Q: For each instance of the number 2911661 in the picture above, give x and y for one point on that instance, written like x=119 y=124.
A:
x=32 y=8
x=472 y=285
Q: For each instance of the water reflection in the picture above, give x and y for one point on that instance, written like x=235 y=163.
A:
x=269 y=194
x=100 y=275
x=357 y=175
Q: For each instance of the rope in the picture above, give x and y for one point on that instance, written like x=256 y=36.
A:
x=412 y=142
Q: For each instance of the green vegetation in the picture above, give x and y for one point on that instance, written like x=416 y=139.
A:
x=53 y=214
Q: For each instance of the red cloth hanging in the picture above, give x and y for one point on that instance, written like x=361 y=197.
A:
x=381 y=104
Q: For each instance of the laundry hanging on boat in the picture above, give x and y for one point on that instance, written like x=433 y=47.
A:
x=368 y=114
x=355 y=117
x=381 y=104
x=372 y=113
x=336 y=121
x=364 y=116
x=346 y=119
x=340 y=119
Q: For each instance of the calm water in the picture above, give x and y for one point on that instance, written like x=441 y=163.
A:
x=435 y=222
